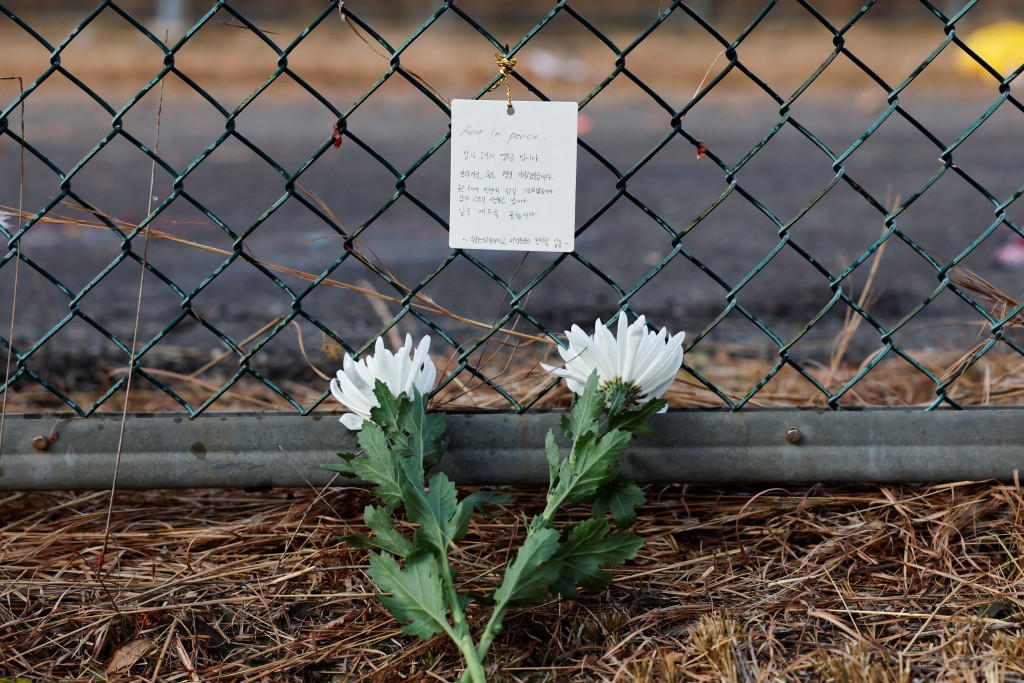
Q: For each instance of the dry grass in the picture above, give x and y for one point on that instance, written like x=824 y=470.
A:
x=873 y=584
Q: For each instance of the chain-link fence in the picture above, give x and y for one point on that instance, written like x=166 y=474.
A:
x=825 y=198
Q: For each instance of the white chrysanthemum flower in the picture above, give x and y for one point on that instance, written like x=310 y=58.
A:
x=400 y=371
x=644 y=360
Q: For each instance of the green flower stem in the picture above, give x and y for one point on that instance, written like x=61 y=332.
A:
x=493 y=626
x=462 y=637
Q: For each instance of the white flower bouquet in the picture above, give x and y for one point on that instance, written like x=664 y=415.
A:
x=619 y=381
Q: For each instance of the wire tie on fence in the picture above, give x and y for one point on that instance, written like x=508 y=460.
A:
x=505 y=66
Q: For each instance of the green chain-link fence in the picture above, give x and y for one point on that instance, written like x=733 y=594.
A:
x=806 y=190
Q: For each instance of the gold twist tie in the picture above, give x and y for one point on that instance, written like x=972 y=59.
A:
x=505 y=66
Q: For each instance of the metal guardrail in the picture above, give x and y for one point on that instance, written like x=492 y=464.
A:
x=31 y=368
x=279 y=450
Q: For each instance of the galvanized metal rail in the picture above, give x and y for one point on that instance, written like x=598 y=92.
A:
x=285 y=450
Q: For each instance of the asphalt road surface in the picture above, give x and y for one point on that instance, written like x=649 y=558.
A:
x=236 y=187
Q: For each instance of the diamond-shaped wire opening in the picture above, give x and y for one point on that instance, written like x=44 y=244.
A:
x=185 y=245
x=397 y=104
x=966 y=216
x=991 y=153
x=470 y=291
x=115 y=58
x=273 y=352
x=236 y=183
x=624 y=225
x=785 y=183
x=896 y=44
x=730 y=239
x=227 y=59
x=185 y=122
x=672 y=58
x=63 y=134
x=113 y=301
x=786 y=294
x=563 y=60
x=333 y=61
x=347 y=314
x=239 y=318
x=682 y=296
x=71 y=252
x=892 y=164
x=287 y=123
x=840 y=228
x=405 y=240
x=293 y=244
x=449 y=40
x=347 y=185
x=786 y=71
x=80 y=361
x=115 y=181
x=626 y=132
x=692 y=181
x=37 y=304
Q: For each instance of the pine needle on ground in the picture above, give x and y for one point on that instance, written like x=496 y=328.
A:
x=870 y=583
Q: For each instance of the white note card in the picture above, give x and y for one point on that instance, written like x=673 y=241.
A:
x=513 y=175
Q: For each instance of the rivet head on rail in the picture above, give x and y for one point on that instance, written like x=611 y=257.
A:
x=40 y=443
x=793 y=435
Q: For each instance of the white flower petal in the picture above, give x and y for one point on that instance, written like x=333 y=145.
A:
x=352 y=421
x=351 y=394
x=401 y=372
x=649 y=360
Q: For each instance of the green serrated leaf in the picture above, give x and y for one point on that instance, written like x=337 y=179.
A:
x=420 y=435
x=416 y=593
x=387 y=537
x=460 y=521
x=619 y=497
x=597 y=463
x=533 y=570
x=619 y=397
x=586 y=410
x=474 y=502
x=342 y=468
x=635 y=420
x=436 y=510
x=479 y=499
x=377 y=465
x=361 y=541
x=554 y=457
x=587 y=548
x=993 y=610
x=436 y=439
x=388 y=408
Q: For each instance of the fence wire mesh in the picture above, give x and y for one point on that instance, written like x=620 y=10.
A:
x=226 y=207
